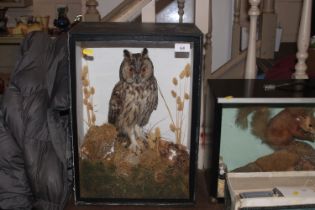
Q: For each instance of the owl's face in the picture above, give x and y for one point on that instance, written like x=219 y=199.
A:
x=136 y=68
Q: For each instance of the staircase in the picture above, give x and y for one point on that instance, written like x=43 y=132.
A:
x=128 y=10
x=143 y=11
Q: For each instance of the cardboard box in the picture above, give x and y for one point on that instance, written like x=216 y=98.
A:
x=297 y=187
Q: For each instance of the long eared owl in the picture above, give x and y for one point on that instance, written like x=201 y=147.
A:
x=134 y=96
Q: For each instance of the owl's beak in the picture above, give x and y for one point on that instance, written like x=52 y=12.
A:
x=137 y=79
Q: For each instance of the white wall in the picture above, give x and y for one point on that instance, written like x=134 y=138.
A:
x=222 y=15
x=289 y=23
x=202 y=18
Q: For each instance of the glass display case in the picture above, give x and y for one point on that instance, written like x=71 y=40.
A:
x=135 y=109
x=260 y=126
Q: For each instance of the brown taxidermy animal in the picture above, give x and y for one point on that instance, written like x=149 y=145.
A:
x=134 y=97
x=290 y=124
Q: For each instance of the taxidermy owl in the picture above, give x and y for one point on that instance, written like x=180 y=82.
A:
x=134 y=97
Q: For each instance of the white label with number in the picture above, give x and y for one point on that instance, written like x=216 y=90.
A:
x=182 y=47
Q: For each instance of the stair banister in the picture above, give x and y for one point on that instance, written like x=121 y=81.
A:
x=250 y=69
x=128 y=10
x=303 y=41
x=148 y=13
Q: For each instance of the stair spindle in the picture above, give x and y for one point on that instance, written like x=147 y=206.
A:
x=303 y=41
x=208 y=54
x=92 y=14
x=250 y=69
x=181 y=6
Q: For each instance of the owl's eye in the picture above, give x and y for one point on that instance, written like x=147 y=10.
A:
x=143 y=69
x=131 y=69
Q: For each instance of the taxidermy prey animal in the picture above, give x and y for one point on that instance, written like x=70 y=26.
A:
x=279 y=131
x=134 y=97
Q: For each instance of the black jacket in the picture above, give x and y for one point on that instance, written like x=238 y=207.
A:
x=35 y=148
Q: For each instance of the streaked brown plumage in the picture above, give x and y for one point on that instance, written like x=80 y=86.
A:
x=134 y=97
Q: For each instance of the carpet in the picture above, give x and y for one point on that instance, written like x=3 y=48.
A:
x=285 y=67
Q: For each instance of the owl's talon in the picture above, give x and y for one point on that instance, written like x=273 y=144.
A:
x=145 y=143
x=134 y=147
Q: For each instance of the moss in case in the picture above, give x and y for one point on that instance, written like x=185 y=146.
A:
x=98 y=142
x=149 y=175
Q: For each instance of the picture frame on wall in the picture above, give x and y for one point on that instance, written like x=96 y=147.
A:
x=260 y=126
x=135 y=106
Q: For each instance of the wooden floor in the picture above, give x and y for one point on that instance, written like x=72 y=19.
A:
x=202 y=202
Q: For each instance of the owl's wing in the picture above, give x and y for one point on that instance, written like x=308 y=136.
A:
x=115 y=103
x=152 y=102
x=155 y=95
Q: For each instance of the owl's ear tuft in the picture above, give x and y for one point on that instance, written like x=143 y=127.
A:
x=126 y=54
x=145 y=52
